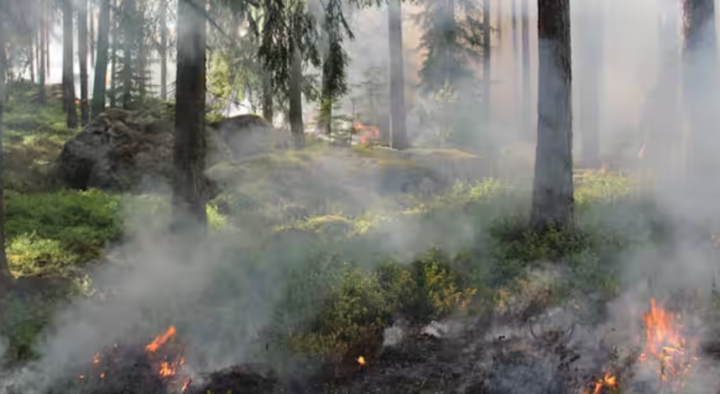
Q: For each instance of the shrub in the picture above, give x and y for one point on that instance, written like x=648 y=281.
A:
x=49 y=230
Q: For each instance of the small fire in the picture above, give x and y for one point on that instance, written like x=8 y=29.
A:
x=96 y=358
x=361 y=361
x=608 y=380
x=665 y=344
x=367 y=133
x=160 y=340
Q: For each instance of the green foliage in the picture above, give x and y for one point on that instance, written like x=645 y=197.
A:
x=49 y=231
x=451 y=32
x=33 y=138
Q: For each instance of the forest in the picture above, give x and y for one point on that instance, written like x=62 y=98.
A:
x=359 y=196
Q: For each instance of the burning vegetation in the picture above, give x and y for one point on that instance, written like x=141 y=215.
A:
x=154 y=367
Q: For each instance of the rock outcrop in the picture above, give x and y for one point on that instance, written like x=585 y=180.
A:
x=132 y=150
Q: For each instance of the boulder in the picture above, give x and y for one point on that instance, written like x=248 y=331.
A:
x=250 y=135
x=132 y=150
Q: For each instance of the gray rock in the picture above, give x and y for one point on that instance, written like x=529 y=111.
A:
x=131 y=151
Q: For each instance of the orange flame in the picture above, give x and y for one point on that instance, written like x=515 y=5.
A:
x=160 y=340
x=361 y=361
x=664 y=343
x=367 y=133
x=607 y=381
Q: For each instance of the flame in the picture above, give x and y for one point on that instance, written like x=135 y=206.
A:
x=367 y=133
x=166 y=370
x=361 y=361
x=160 y=340
x=665 y=344
x=96 y=358
x=608 y=380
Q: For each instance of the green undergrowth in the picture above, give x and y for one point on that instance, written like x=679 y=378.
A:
x=33 y=138
x=466 y=251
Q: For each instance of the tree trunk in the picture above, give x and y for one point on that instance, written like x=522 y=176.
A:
x=526 y=91
x=129 y=40
x=267 y=97
x=31 y=60
x=101 y=65
x=42 y=93
x=92 y=35
x=163 y=51
x=68 y=75
x=398 y=127
x=114 y=27
x=83 y=59
x=47 y=44
x=487 y=38
x=189 y=185
x=5 y=275
x=295 y=90
x=514 y=16
x=700 y=82
x=591 y=47
x=499 y=24
x=552 y=199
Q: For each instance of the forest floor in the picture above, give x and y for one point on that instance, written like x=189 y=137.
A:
x=318 y=282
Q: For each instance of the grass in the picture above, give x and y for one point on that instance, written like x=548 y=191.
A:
x=352 y=252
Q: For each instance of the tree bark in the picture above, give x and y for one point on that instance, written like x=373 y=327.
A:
x=700 y=82
x=552 y=199
x=5 y=275
x=295 y=90
x=91 y=37
x=42 y=93
x=163 y=51
x=525 y=47
x=114 y=27
x=68 y=75
x=101 y=64
x=189 y=182
x=83 y=59
x=128 y=41
x=514 y=17
x=31 y=59
x=398 y=126
x=590 y=85
x=267 y=97
x=499 y=24
x=487 y=38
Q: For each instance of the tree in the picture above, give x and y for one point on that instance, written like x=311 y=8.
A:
x=42 y=93
x=101 y=59
x=163 y=50
x=189 y=183
x=5 y=275
x=335 y=61
x=525 y=49
x=398 y=127
x=129 y=28
x=83 y=59
x=68 y=80
x=591 y=48
x=700 y=83
x=552 y=198
x=450 y=43
x=114 y=33
x=486 y=39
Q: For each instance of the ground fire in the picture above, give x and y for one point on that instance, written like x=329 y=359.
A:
x=608 y=381
x=366 y=133
x=159 y=362
x=666 y=346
